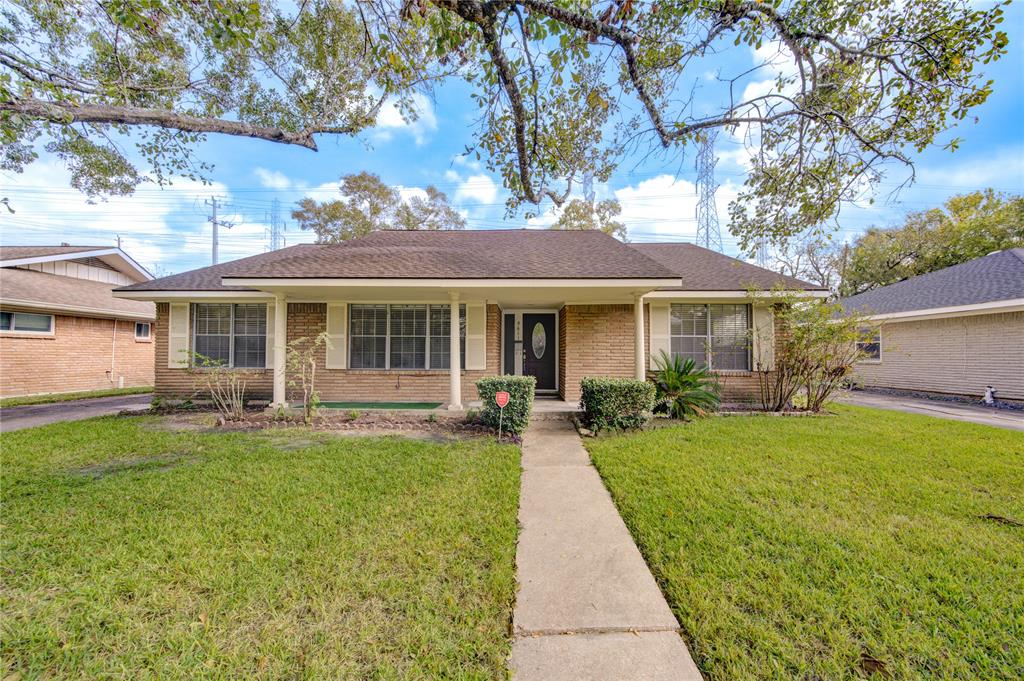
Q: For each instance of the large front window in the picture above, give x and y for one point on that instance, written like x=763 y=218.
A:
x=717 y=336
x=233 y=335
x=403 y=336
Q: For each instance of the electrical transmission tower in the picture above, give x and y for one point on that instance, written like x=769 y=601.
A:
x=761 y=255
x=709 y=233
x=277 y=226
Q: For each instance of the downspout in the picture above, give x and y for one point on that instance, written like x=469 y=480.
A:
x=113 y=349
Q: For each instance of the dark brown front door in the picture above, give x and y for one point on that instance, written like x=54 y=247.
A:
x=539 y=344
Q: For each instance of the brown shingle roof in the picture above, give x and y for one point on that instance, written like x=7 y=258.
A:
x=702 y=269
x=41 y=289
x=18 y=252
x=484 y=254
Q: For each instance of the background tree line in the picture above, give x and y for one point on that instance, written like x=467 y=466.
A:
x=965 y=227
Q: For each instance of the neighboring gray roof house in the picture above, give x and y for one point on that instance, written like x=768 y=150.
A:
x=954 y=331
x=995 y=281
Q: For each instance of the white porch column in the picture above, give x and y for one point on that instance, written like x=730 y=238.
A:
x=455 y=397
x=638 y=338
x=280 y=350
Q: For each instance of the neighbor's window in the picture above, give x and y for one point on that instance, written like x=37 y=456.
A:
x=142 y=330
x=26 y=322
x=717 y=336
x=870 y=343
x=402 y=336
x=232 y=334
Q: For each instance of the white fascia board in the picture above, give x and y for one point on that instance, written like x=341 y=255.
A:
x=78 y=309
x=163 y=296
x=1011 y=305
x=450 y=283
x=97 y=253
x=735 y=294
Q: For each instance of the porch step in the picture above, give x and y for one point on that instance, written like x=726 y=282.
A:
x=560 y=415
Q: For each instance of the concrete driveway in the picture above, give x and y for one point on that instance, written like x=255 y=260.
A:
x=16 y=418
x=1002 y=418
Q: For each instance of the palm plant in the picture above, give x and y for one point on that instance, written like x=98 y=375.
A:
x=684 y=390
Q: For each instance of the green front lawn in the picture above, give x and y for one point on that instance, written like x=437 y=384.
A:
x=130 y=550
x=832 y=547
x=69 y=397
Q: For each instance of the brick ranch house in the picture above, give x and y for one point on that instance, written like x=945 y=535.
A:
x=557 y=305
x=61 y=328
x=955 y=331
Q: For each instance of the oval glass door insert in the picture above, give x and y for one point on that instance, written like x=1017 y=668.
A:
x=539 y=340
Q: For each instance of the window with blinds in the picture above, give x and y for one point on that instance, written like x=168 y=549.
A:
x=403 y=336
x=717 y=336
x=233 y=335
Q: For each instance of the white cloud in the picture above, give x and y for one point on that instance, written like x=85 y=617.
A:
x=160 y=228
x=478 y=189
x=274 y=179
x=390 y=120
x=664 y=208
x=1003 y=170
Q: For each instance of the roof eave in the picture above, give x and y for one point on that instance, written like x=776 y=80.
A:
x=126 y=260
x=434 y=282
x=992 y=307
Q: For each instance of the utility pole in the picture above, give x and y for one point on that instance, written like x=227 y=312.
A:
x=212 y=203
x=709 y=232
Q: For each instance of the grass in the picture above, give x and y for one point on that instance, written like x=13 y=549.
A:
x=68 y=397
x=834 y=547
x=130 y=550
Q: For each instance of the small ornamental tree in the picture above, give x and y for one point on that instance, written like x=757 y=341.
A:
x=224 y=385
x=301 y=365
x=815 y=352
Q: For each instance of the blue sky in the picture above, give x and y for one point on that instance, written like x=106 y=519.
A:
x=166 y=230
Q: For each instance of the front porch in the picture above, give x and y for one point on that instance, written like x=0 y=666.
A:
x=557 y=334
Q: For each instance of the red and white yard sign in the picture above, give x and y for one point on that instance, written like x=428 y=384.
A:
x=501 y=399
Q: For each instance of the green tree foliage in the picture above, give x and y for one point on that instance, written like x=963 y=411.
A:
x=368 y=205
x=565 y=89
x=966 y=227
x=600 y=215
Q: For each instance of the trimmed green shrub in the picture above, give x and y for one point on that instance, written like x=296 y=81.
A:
x=520 y=403
x=616 y=403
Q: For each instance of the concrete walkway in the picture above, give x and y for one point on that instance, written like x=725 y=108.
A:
x=16 y=418
x=587 y=607
x=957 y=411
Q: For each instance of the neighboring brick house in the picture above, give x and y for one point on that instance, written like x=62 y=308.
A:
x=954 y=331
x=61 y=328
x=557 y=305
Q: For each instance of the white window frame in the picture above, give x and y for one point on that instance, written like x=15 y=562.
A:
x=708 y=338
x=875 y=331
x=387 y=338
x=28 y=332
x=231 y=334
x=149 y=331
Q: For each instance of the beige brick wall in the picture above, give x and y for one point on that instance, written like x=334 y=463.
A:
x=597 y=340
x=76 y=357
x=307 y=320
x=957 y=355
x=593 y=340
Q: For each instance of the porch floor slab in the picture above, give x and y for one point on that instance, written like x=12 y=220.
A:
x=585 y=595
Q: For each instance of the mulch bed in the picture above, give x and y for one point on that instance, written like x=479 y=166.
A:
x=328 y=420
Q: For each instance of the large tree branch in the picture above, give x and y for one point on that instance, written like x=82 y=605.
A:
x=63 y=113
